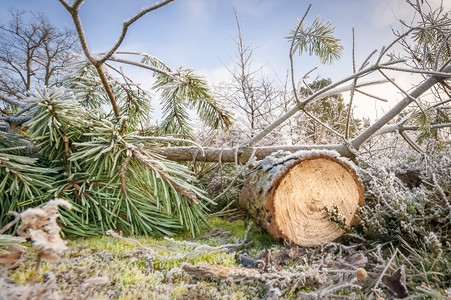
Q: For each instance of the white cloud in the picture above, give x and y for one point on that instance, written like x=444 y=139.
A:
x=196 y=9
x=388 y=12
x=216 y=75
x=254 y=7
x=369 y=107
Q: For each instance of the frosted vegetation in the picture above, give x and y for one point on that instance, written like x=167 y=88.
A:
x=88 y=137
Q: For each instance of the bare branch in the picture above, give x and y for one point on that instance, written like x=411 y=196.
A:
x=411 y=142
x=354 y=83
x=422 y=88
x=370 y=95
x=292 y=52
x=130 y=22
x=242 y=155
x=15 y=120
x=144 y=66
x=10 y=224
x=400 y=128
x=12 y=101
x=73 y=10
x=418 y=71
x=328 y=90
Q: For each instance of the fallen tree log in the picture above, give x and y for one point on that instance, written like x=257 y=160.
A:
x=293 y=196
x=240 y=155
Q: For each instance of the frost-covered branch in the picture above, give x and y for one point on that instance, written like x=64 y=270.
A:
x=327 y=91
x=98 y=62
x=11 y=101
x=144 y=66
x=398 y=127
x=15 y=120
x=400 y=106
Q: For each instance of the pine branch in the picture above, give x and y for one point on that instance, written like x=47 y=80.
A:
x=316 y=39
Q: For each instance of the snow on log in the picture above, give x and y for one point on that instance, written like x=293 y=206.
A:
x=289 y=194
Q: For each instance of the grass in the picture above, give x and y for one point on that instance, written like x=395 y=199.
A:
x=105 y=267
x=131 y=274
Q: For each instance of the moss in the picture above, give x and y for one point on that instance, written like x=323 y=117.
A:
x=179 y=290
x=237 y=227
x=219 y=258
x=307 y=289
x=259 y=238
x=344 y=292
x=102 y=243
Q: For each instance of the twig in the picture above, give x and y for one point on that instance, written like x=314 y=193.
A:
x=113 y=234
x=399 y=127
x=250 y=160
x=129 y=22
x=202 y=249
x=384 y=271
x=411 y=142
x=323 y=124
x=413 y=99
x=122 y=174
x=291 y=54
x=418 y=71
x=354 y=83
x=144 y=66
x=370 y=95
x=441 y=193
x=10 y=224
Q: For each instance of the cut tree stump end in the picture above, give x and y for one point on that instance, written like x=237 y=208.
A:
x=290 y=195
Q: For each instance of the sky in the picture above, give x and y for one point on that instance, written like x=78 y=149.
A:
x=200 y=33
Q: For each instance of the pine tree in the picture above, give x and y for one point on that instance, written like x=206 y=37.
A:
x=109 y=169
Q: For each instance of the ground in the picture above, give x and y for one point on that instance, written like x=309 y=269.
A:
x=228 y=260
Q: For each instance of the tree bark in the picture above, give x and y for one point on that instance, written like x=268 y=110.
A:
x=240 y=155
x=296 y=196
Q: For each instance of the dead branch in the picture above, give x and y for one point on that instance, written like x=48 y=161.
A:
x=218 y=272
x=400 y=106
x=141 y=65
x=197 y=249
x=98 y=62
x=324 y=92
x=11 y=101
x=10 y=224
x=240 y=155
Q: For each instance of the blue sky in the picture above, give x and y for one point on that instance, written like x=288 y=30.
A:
x=199 y=33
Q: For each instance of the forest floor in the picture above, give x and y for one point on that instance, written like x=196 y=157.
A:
x=227 y=260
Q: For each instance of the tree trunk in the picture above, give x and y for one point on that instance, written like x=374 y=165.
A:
x=241 y=155
x=294 y=196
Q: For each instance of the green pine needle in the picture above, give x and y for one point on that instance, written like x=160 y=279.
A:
x=317 y=39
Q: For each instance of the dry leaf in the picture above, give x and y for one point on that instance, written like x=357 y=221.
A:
x=10 y=257
x=396 y=283
x=39 y=224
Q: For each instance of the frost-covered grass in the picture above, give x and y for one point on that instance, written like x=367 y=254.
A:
x=403 y=242
x=121 y=269
x=111 y=268
x=409 y=206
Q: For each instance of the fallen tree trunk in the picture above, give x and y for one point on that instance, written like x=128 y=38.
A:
x=296 y=196
x=240 y=155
